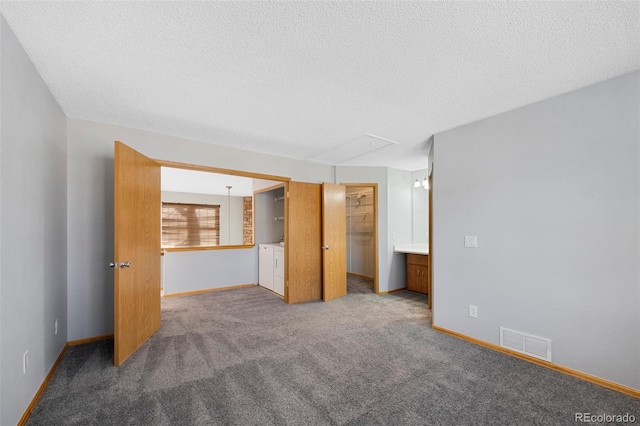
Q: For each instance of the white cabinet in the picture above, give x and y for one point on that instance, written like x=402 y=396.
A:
x=271 y=267
x=278 y=270
x=265 y=275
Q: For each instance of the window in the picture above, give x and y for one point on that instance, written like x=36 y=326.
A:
x=190 y=225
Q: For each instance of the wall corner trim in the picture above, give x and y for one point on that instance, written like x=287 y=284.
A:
x=45 y=382
x=569 y=371
x=43 y=386
x=89 y=340
x=392 y=291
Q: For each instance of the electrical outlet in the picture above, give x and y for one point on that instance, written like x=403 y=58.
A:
x=55 y=327
x=473 y=311
x=25 y=362
x=471 y=241
x=393 y=235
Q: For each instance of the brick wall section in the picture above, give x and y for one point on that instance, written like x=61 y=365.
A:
x=247 y=220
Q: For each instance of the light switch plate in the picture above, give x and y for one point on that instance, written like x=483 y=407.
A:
x=471 y=241
x=473 y=311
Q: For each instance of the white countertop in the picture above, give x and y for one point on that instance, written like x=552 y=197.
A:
x=418 y=248
x=280 y=245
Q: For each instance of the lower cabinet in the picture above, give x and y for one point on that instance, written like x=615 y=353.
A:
x=271 y=267
x=418 y=273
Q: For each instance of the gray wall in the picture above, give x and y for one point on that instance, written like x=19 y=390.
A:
x=33 y=259
x=400 y=188
x=552 y=191
x=206 y=269
x=90 y=201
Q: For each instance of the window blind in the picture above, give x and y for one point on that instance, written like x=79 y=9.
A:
x=190 y=225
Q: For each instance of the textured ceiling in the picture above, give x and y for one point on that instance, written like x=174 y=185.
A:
x=298 y=78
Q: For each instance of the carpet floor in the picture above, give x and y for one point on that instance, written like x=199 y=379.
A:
x=243 y=357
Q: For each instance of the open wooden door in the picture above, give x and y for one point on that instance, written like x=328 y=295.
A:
x=303 y=276
x=334 y=241
x=137 y=250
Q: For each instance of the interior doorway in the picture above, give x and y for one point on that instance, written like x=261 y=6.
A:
x=362 y=236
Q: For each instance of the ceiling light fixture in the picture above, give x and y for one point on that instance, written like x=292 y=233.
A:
x=425 y=183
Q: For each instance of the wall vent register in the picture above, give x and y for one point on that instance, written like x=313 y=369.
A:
x=528 y=344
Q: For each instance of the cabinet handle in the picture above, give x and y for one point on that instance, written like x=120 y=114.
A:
x=276 y=263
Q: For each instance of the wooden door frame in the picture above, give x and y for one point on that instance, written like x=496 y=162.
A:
x=430 y=227
x=376 y=273
x=280 y=181
x=211 y=169
x=286 y=238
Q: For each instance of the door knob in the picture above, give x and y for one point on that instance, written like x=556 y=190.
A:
x=125 y=264
x=113 y=265
x=325 y=247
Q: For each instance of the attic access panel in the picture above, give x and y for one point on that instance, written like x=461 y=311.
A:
x=350 y=150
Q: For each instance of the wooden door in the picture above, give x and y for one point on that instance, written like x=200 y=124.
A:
x=303 y=276
x=334 y=241
x=137 y=250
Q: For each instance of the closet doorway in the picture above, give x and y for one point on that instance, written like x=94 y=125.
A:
x=362 y=233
